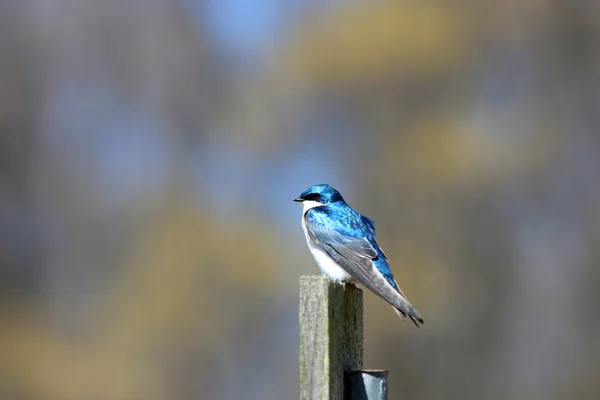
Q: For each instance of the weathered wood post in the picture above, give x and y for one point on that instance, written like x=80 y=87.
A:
x=331 y=343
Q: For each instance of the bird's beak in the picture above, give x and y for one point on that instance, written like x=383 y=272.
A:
x=299 y=199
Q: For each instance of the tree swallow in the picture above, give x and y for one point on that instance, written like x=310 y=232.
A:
x=342 y=242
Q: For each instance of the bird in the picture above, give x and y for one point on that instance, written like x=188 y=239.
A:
x=342 y=242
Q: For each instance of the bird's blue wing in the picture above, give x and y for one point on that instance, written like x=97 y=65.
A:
x=356 y=255
x=370 y=224
x=354 y=250
x=341 y=247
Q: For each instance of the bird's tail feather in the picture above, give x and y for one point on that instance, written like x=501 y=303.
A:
x=412 y=314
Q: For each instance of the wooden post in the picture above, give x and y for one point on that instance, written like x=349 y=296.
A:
x=331 y=337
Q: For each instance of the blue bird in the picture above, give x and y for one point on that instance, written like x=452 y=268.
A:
x=342 y=242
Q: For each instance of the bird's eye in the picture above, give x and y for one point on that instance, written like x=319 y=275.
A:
x=312 y=196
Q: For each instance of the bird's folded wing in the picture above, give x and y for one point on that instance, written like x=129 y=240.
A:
x=355 y=256
x=347 y=247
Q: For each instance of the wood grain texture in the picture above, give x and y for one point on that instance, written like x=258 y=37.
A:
x=331 y=336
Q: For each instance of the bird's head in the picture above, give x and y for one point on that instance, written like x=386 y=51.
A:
x=318 y=195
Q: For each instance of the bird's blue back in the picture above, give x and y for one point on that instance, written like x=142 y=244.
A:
x=344 y=219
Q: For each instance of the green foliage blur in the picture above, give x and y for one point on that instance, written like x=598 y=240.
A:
x=149 y=247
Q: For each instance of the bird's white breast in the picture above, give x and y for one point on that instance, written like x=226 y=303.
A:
x=326 y=264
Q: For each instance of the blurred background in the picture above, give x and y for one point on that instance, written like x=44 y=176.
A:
x=150 y=151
